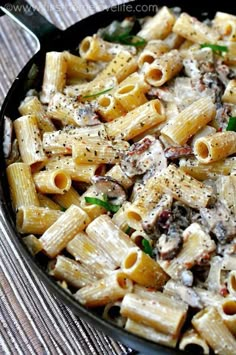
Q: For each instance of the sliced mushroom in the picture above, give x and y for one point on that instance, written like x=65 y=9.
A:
x=219 y=221
x=111 y=188
x=151 y=222
x=7 y=138
x=169 y=244
x=145 y=156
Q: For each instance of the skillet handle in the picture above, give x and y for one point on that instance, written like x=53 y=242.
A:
x=31 y=20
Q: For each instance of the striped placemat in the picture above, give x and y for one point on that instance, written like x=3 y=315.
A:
x=32 y=321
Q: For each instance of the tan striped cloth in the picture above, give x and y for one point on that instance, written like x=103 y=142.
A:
x=32 y=321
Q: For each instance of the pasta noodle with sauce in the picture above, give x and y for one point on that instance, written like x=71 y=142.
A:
x=124 y=181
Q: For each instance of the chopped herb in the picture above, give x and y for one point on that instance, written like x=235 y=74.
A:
x=231 y=124
x=107 y=205
x=115 y=30
x=147 y=247
x=128 y=230
x=136 y=41
x=118 y=33
x=105 y=198
x=63 y=209
x=96 y=94
x=216 y=48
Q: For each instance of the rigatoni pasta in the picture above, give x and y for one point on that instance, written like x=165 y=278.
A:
x=55 y=238
x=54 y=78
x=219 y=338
x=122 y=176
x=21 y=184
x=29 y=141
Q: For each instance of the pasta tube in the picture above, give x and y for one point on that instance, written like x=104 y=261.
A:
x=60 y=142
x=153 y=50
x=149 y=200
x=54 y=78
x=142 y=269
x=32 y=106
x=163 y=68
x=219 y=338
x=189 y=121
x=121 y=66
x=83 y=91
x=30 y=144
x=110 y=289
x=65 y=109
x=100 y=152
x=22 y=188
x=88 y=253
x=66 y=269
x=77 y=172
x=156 y=313
x=52 y=181
x=109 y=108
x=35 y=220
x=212 y=171
x=109 y=237
x=215 y=147
x=225 y=24
x=46 y=202
x=136 y=121
x=159 y=26
x=194 y=30
x=192 y=340
x=150 y=333
x=95 y=48
x=33 y=244
x=56 y=237
x=130 y=96
x=227 y=311
x=183 y=187
x=78 y=67
x=70 y=197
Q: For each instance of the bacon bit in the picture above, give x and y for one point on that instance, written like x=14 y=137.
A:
x=150 y=289
x=205 y=257
x=224 y=292
x=139 y=148
x=68 y=150
x=220 y=129
x=188 y=265
x=177 y=152
x=163 y=219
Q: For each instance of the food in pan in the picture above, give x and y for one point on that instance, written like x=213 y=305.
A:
x=122 y=171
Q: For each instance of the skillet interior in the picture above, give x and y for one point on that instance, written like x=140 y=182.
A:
x=70 y=39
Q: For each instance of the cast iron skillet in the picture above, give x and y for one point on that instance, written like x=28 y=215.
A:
x=50 y=39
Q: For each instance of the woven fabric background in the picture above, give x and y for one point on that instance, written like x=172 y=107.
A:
x=32 y=321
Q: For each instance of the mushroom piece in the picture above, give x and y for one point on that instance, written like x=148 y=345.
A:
x=145 y=156
x=151 y=223
x=7 y=138
x=169 y=244
x=111 y=188
x=219 y=221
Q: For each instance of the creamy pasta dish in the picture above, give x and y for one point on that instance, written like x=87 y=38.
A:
x=122 y=172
